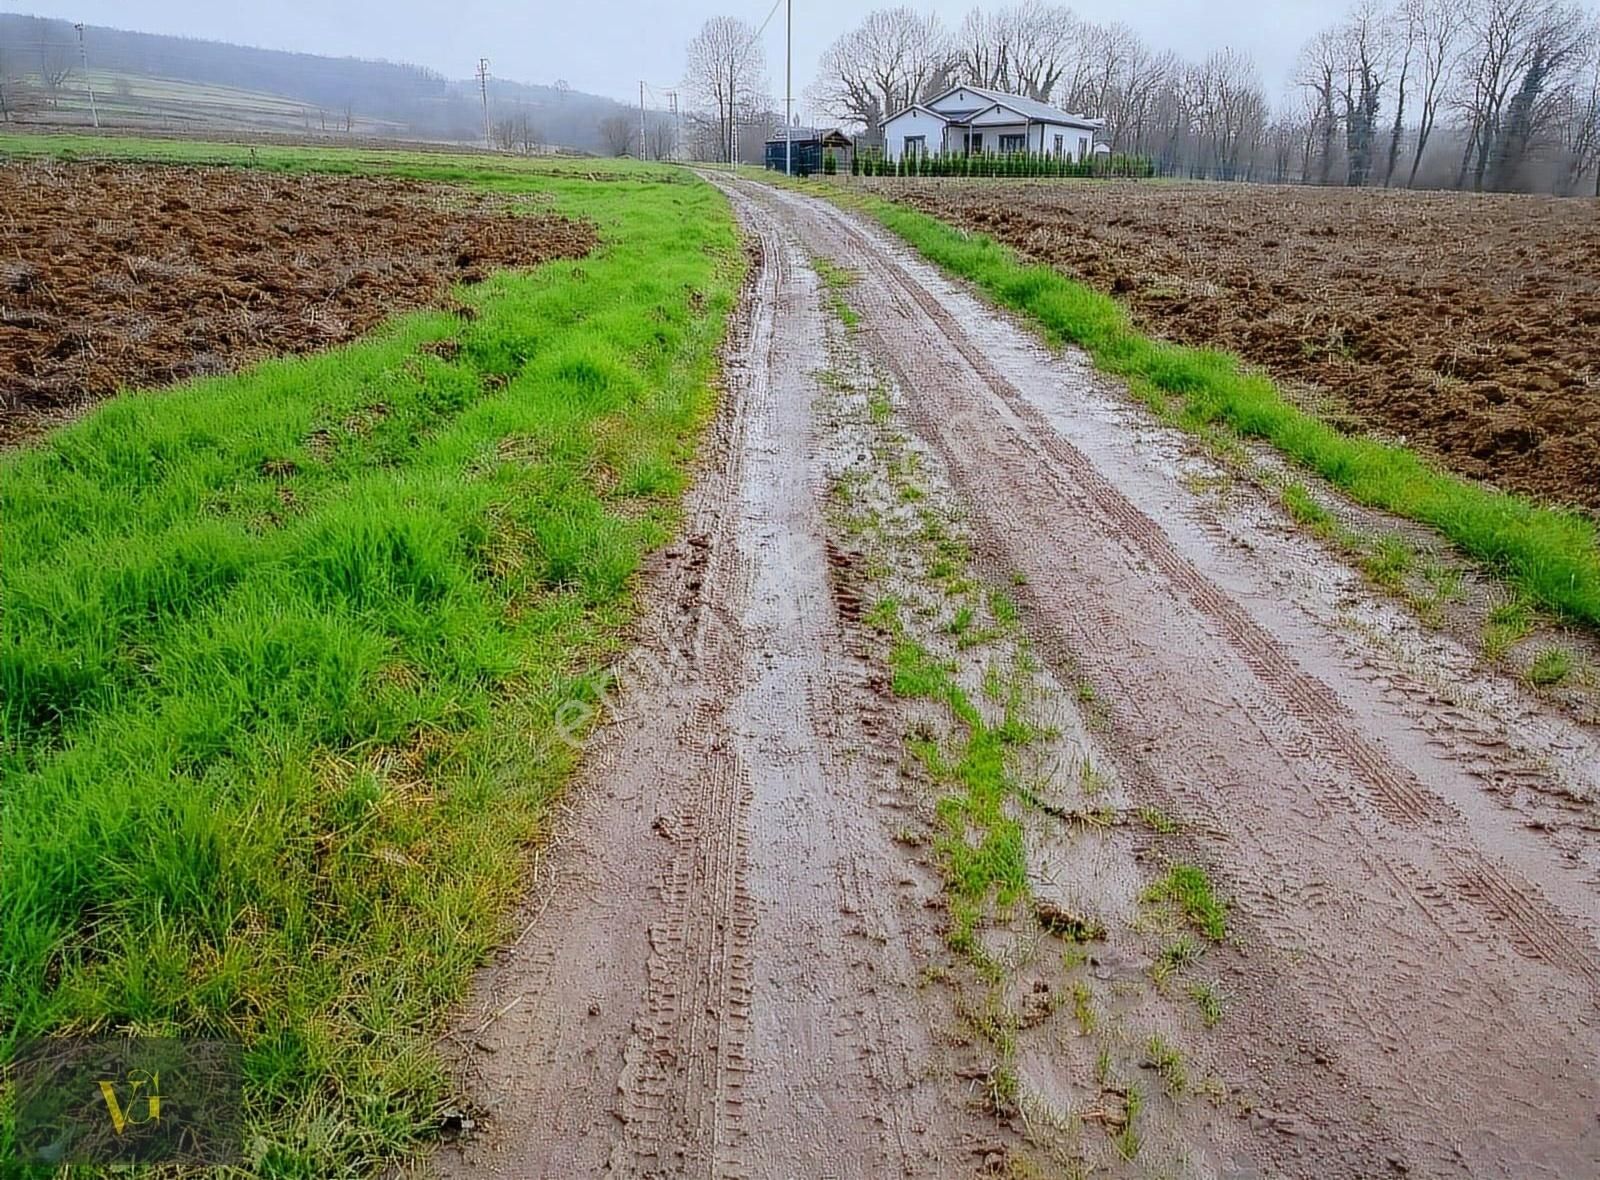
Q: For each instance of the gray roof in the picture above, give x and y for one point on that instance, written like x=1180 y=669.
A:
x=1030 y=108
x=801 y=134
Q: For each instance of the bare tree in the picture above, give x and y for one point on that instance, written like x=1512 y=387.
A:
x=1362 y=46
x=1135 y=96
x=1578 y=117
x=617 y=132
x=515 y=133
x=895 y=57
x=1282 y=141
x=1231 y=107
x=1439 y=24
x=1024 y=49
x=6 y=84
x=1321 y=64
x=982 y=51
x=704 y=136
x=661 y=140
x=55 y=67
x=726 y=71
x=1405 y=29
x=1557 y=43
x=1109 y=51
x=1510 y=48
x=1307 y=121
x=1043 y=44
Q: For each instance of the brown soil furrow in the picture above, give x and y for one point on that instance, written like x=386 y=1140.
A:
x=1428 y=971
x=124 y=276
x=1466 y=324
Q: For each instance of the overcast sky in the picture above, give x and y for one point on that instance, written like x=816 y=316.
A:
x=609 y=46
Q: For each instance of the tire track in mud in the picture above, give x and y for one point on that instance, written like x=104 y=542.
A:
x=1396 y=794
x=1424 y=998
x=680 y=1094
x=680 y=1091
x=709 y=984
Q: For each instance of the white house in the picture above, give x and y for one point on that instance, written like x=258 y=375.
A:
x=967 y=120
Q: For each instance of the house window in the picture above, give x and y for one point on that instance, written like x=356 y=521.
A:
x=1083 y=148
x=916 y=145
x=1013 y=143
x=1061 y=141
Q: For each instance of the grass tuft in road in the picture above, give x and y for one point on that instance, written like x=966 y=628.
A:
x=286 y=655
x=1188 y=889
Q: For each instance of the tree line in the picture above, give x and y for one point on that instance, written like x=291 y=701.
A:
x=1512 y=87
x=1473 y=94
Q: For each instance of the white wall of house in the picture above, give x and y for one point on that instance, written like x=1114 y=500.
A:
x=960 y=100
x=936 y=136
x=1076 y=142
x=909 y=124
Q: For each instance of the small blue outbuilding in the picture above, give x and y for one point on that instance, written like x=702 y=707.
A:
x=808 y=146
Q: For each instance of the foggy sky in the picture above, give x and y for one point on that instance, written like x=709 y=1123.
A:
x=608 y=46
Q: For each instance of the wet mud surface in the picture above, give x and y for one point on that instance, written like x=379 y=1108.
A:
x=1469 y=326
x=1413 y=959
x=718 y=975
x=119 y=276
x=738 y=956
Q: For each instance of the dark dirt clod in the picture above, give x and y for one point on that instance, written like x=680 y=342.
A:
x=1467 y=325
x=1065 y=924
x=120 y=276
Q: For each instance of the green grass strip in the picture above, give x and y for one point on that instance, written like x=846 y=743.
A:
x=285 y=653
x=1550 y=553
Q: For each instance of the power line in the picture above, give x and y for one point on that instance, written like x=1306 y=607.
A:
x=768 y=21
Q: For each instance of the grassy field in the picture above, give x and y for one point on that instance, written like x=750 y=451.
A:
x=1551 y=556
x=284 y=653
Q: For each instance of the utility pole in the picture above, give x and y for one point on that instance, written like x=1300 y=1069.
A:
x=483 y=90
x=83 y=56
x=641 y=120
x=788 y=88
x=677 y=125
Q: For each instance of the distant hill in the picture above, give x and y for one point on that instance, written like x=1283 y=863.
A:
x=145 y=80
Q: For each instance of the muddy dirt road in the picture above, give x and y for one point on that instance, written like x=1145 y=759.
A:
x=737 y=960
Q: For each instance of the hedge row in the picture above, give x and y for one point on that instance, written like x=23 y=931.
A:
x=1010 y=164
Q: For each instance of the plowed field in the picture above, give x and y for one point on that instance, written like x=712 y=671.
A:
x=115 y=276
x=1469 y=326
